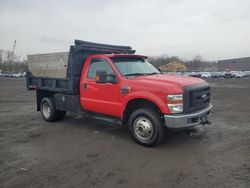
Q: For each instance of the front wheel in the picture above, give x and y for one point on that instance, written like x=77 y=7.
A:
x=146 y=127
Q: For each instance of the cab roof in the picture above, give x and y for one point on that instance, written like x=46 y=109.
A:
x=124 y=55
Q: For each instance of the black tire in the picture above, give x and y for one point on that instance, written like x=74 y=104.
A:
x=48 y=109
x=154 y=131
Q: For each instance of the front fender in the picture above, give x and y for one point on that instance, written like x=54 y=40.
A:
x=159 y=101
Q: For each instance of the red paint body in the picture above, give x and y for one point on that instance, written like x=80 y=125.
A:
x=107 y=99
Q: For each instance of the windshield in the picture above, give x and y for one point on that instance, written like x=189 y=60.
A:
x=134 y=66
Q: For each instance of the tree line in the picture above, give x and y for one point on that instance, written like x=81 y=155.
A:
x=10 y=62
x=196 y=64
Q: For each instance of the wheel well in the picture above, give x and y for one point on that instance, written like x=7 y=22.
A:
x=40 y=94
x=136 y=104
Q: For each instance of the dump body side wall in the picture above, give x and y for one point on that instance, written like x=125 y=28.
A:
x=53 y=65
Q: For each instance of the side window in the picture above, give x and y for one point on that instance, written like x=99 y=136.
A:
x=98 y=64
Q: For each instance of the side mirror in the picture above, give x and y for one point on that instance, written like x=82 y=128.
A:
x=103 y=77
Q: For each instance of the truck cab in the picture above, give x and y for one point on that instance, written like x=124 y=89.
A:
x=127 y=87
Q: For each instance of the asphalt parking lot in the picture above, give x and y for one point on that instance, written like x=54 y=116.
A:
x=82 y=152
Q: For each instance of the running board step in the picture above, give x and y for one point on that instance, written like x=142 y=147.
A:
x=101 y=117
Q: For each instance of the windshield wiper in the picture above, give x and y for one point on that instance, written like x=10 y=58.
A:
x=135 y=74
x=141 y=74
x=152 y=73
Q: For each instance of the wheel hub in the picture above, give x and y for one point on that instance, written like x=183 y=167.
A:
x=46 y=110
x=143 y=128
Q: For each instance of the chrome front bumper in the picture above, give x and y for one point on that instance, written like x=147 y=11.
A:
x=187 y=120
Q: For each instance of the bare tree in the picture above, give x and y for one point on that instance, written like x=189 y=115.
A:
x=10 y=62
x=1 y=56
x=196 y=64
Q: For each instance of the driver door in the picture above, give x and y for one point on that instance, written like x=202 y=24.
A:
x=100 y=97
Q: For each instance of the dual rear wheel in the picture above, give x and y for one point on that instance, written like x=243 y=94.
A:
x=49 y=111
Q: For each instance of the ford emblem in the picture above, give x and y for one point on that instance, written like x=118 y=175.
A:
x=204 y=96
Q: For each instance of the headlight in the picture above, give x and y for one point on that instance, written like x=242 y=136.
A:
x=175 y=103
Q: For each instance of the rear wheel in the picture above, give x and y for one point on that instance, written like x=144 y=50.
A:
x=48 y=110
x=146 y=127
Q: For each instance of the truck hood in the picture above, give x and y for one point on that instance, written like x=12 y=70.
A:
x=181 y=81
x=167 y=83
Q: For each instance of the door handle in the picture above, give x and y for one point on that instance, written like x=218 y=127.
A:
x=84 y=86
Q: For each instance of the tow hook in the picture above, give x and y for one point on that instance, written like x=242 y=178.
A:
x=198 y=131
x=210 y=113
x=206 y=122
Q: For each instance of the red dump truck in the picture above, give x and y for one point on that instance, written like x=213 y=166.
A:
x=111 y=82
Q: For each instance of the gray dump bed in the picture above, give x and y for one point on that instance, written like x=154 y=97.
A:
x=53 y=65
x=61 y=72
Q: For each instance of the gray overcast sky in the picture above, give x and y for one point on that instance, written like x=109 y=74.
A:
x=214 y=29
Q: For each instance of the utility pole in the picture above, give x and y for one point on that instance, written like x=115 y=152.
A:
x=13 y=56
x=13 y=49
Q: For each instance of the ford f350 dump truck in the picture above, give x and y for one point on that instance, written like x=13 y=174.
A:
x=110 y=81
